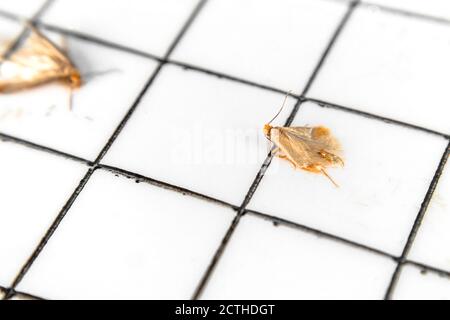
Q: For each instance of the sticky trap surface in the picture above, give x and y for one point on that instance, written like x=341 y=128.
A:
x=159 y=184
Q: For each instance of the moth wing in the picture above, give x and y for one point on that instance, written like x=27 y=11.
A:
x=294 y=149
x=17 y=82
x=40 y=52
x=37 y=61
x=320 y=137
x=304 y=147
x=40 y=43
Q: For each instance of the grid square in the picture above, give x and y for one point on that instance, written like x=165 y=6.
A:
x=431 y=243
x=28 y=208
x=125 y=240
x=271 y=42
x=383 y=64
x=417 y=284
x=42 y=115
x=436 y=8
x=205 y=136
x=381 y=187
x=24 y=8
x=267 y=262
x=149 y=25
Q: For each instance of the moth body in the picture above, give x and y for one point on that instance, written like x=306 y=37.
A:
x=38 y=61
x=312 y=149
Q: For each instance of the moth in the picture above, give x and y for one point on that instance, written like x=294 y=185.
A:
x=38 y=61
x=307 y=148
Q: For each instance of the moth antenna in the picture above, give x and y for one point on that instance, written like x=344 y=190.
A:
x=331 y=179
x=282 y=107
x=88 y=76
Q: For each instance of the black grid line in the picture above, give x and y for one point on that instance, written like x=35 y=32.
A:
x=164 y=185
x=407 y=13
x=342 y=24
x=187 y=66
x=326 y=104
x=23 y=271
x=234 y=224
x=322 y=234
x=143 y=54
x=301 y=99
x=90 y=172
x=99 y=41
x=27 y=296
x=417 y=223
x=425 y=267
x=178 y=38
x=7 y=138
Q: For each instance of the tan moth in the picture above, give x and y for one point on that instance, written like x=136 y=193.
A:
x=38 y=61
x=308 y=148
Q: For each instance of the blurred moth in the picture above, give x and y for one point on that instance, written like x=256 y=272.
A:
x=38 y=61
x=308 y=148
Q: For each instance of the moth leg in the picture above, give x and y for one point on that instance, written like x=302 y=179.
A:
x=329 y=178
x=331 y=158
x=312 y=168
x=319 y=169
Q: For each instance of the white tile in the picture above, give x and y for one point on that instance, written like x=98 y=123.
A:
x=25 y=8
x=150 y=25
x=382 y=185
x=199 y=132
x=431 y=243
x=417 y=284
x=267 y=262
x=42 y=114
x=277 y=43
x=437 y=8
x=390 y=65
x=35 y=186
x=123 y=240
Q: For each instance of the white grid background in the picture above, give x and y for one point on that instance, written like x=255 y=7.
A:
x=208 y=235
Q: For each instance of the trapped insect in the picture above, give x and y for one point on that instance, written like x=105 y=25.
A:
x=311 y=149
x=38 y=61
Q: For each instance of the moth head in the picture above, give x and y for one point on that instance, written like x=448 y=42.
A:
x=75 y=79
x=267 y=129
